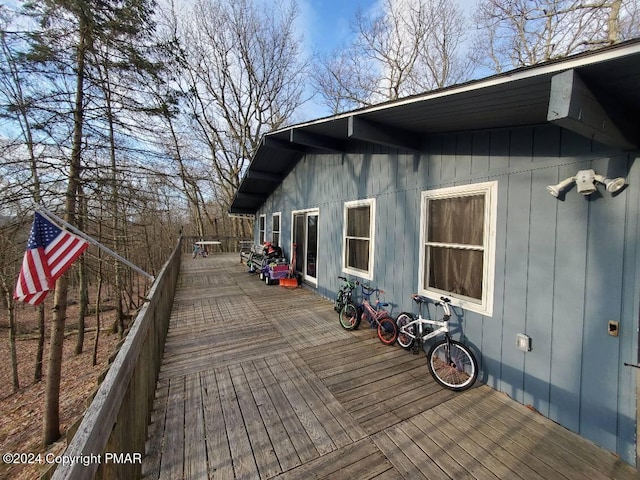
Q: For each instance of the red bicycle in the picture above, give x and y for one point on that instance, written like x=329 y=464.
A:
x=351 y=315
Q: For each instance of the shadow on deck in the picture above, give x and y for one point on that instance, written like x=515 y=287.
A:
x=261 y=382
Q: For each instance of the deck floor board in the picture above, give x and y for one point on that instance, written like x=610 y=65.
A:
x=260 y=382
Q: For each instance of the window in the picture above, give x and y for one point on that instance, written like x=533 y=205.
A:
x=261 y=229
x=359 y=223
x=457 y=241
x=275 y=229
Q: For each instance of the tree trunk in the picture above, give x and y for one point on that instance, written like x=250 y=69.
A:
x=94 y=361
x=51 y=421
x=12 y=340
x=614 y=21
x=82 y=280
x=37 y=374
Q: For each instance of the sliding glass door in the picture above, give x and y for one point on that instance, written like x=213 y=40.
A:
x=305 y=239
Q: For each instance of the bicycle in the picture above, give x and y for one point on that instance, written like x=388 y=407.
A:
x=450 y=362
x=345 y=293
x=351 y=315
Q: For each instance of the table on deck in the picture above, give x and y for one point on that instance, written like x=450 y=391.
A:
x=209 y=243
x=261 y=382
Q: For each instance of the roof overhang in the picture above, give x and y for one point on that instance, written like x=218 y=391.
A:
x=595 y=94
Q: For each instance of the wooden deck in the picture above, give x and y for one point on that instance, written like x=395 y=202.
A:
x=261 y=382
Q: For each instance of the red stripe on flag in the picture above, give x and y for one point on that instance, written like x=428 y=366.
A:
x=64 y=252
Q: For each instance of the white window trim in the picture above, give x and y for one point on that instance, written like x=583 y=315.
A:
x=371 y=203
x=262 y=232
x=490 y=190
x=279 y=215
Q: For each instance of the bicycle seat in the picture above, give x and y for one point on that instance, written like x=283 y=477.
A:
x=383 y=304
x=419 y=298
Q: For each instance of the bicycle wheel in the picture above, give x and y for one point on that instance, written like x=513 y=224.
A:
x=405 y=340
x=339 y=303
x=387 y=330
x=452 y=365
x=349 y=318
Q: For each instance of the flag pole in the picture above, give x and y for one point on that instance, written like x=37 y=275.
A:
x=55 y=219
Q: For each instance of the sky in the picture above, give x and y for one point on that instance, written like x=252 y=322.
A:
x=325 y=25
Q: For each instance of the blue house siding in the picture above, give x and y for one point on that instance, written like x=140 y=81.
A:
x=563 y=267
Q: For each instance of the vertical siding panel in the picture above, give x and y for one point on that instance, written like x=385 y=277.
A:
x=493 y=328
x=361 y=163
x=386 y=256
x=545 y=139
x=375 y=172
x=405 y=242
x=463 y=148
x=369 y=171
x=405 y=172
x=630 y=313
x=598 y=418
x=544 y=143
x=568 y=305
x=388 y=164
x=573 y=144
x=542 y=238
x=448 y=171
x=480 y=151
x=500 y=144
x=417 y=169
x=331 y=222
x=432 y=175
x=516 y=263
x=390 y=219
x=380 y=244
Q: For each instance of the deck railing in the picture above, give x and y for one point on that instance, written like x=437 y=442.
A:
x=110 y=440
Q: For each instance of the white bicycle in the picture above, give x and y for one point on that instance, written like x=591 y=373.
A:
x=450 y=362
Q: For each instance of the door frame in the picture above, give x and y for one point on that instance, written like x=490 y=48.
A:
x=306 y=212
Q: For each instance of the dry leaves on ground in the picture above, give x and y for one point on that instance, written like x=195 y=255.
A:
x=21 y=413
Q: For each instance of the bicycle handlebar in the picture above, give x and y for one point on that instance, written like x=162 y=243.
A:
x=367 y=291
x=349 y=283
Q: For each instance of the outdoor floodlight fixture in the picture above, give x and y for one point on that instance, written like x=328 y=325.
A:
x=585 y=181
x=612 y=185
x=559 y=188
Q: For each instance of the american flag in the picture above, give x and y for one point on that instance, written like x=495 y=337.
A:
x=50 y=252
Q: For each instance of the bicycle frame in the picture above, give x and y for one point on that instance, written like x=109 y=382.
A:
x=345 y=293
x=420 y=322
x=373 y=313
x=450 y=362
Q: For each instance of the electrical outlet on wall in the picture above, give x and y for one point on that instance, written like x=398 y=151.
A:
x=523 y=342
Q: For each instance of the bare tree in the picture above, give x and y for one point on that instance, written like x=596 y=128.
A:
x=242 y=76
x=516 y=33
x=18 y=106
x=7 y=238
x=69 y=31
x=408 y=47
